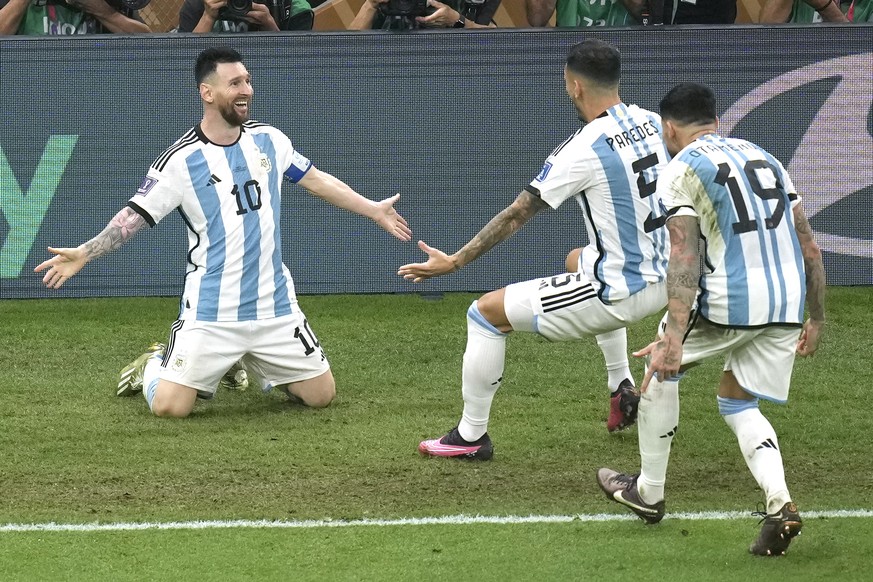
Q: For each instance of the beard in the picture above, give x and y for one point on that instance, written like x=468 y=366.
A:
x=231 y=116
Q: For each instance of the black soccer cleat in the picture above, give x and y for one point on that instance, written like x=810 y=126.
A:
x=622 y=488
x=777 y=531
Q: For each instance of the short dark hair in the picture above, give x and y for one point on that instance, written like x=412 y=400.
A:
x=596 y=60
x=689 y=104
x=207 y=61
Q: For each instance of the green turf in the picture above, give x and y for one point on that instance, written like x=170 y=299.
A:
x=74 y=453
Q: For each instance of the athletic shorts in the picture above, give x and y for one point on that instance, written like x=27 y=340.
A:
x=762 y=358
x=566 y=307
x=274 y=351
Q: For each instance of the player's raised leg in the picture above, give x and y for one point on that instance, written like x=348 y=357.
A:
x=487 y=328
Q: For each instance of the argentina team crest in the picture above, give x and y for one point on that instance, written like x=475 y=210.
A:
x=179 y=363
x=265 y=162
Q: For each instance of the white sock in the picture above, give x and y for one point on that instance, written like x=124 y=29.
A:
x=613 y=344
x=657 y=421
x=483 y=371
x=760 y=448
x=150 y=378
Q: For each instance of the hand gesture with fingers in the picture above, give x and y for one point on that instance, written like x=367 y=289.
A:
x=664 y=359
x=62 y=266
x=438 y=263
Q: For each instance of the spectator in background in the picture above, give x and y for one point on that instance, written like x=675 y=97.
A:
x=861 y=11
x=263 y=15
x=580 y=13
x=800 y=12
x=57 y=17
x=451 y=14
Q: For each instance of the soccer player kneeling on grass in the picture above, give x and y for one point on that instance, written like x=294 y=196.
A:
x=224 y=176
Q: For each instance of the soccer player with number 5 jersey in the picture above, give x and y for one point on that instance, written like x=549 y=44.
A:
x=609 y=167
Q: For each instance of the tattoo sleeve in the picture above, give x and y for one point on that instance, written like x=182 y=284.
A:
x=812 y=263
x=500 y=227
x=122 y=227
x=683 y=271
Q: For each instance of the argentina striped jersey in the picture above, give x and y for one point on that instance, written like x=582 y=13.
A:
x=611 y=166
x=743 y=198
x=230 y=199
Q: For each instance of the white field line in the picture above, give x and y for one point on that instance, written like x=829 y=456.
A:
x=446 y=520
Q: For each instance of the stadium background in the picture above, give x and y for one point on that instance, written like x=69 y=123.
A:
x=163 y=15
x=458 y=123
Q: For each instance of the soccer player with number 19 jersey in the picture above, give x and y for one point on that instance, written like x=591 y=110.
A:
x=762 y=266
x=224 y=177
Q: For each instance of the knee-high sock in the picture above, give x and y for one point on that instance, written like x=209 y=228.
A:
x=483 y=371
x=759 y=446
x=658 y=421
x=150 y=378
x=613 y=344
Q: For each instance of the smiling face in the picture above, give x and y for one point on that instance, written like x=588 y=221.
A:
x=229 y=91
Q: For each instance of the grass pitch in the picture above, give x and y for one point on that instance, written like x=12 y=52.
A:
x=73 y=453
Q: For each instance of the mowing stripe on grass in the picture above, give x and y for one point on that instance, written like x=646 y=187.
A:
x=446 y=520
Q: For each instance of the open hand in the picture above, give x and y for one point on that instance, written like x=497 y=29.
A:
x=389 y=219
x=62 y=266
x=438 y=263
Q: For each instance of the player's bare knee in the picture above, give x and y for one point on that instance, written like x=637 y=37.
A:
x=491 y=307
x=571 y=263
x=170 y=409
x=320 y=399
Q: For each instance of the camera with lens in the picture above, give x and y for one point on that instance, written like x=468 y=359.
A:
x=406 y=8
x=235 y=10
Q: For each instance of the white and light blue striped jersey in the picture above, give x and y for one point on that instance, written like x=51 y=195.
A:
x=611 y=166
x=743 y=198
x=230 y=200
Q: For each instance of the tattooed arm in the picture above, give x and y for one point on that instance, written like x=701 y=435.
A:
x=683 y=275
x=683 y=272
x=67 y=262
x=815 y=285
x=498 y=229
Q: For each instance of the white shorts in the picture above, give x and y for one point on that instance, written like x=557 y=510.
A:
x=762 y=358
x=274 y=351
x=566 y=307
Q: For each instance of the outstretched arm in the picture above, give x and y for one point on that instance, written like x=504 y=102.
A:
x=68 y=262
x=815 y=285
x=338 y=193
x=498 y=229
x=683 y=275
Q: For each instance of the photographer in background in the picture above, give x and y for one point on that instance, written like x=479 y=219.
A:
x=406 y=14
x=244 y=15
x=56 y=17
